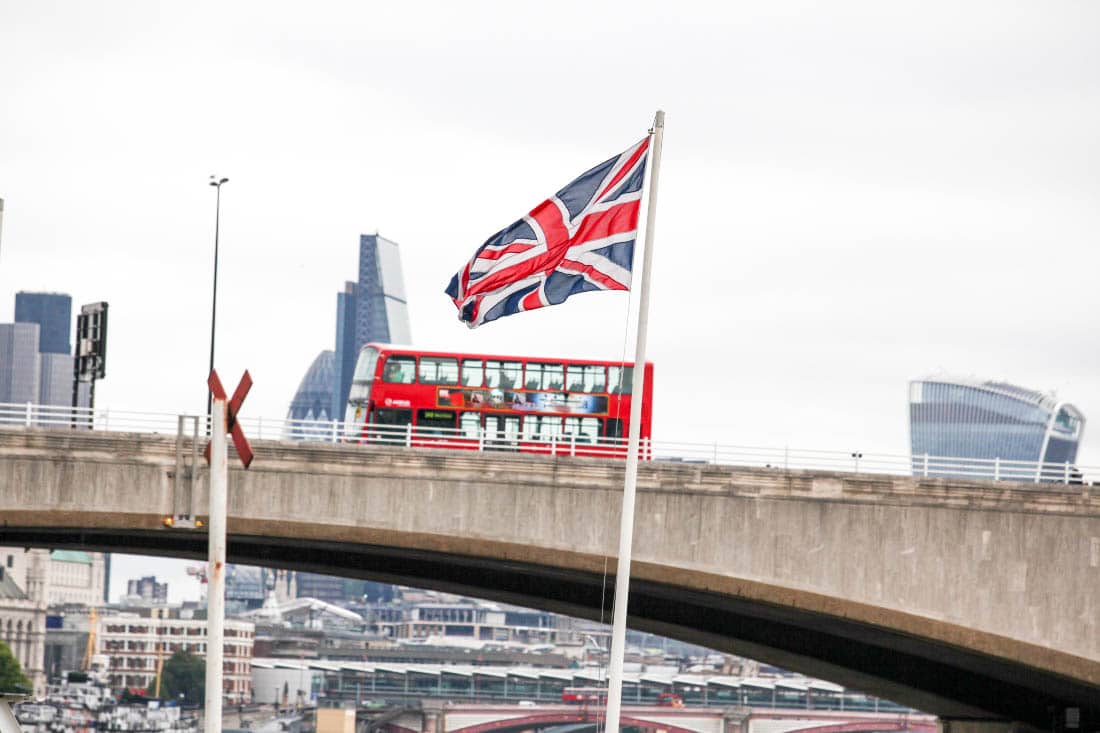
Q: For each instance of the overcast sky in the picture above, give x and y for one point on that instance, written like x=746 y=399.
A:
x=853 y=194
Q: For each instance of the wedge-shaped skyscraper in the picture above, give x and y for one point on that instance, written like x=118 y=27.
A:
x=994 y=427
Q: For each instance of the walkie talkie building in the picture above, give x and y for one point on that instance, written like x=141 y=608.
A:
x=990 y=425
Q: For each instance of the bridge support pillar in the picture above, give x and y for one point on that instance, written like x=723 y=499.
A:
x=735 y=720
x=434 y=720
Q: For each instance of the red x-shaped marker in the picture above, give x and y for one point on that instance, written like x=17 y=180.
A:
x=232 y=409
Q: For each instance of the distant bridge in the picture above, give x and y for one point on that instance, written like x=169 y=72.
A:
x=972 y=600
x=463 y=718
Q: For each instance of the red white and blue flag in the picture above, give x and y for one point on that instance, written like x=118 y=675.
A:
x=579 y=239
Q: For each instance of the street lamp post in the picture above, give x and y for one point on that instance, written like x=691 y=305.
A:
x=216 y=183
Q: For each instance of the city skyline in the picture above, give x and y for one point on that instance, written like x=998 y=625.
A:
x=848 y=217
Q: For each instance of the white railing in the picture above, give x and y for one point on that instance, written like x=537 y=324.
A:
x=580 y=445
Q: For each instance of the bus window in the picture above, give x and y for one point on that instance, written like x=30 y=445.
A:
x=470 y=424
x=502 y=427
x=387 y=416
x=472 y=374
x=364 y=368
x=363 y=377
x=400 y=370
x=587 y=429
x=533 y=377
x=435 y=422
x=510 y=374
x=541 y=427
x=438 y=370
x=574 y=378
x=590 y=378
x=614 y=428
x=595 y=378
x=553 y=376
x=620 y=379
x=492 y=374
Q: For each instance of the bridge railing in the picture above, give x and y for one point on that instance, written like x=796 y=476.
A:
x=577 y=444
x=399 y=693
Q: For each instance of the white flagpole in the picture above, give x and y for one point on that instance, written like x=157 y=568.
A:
x=626 y=526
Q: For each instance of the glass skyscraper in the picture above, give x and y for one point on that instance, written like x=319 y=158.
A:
x=371 y=309
x=19 y=362
x=53 y=312
x=313 y=400
x=50 y=315
x=993 y=421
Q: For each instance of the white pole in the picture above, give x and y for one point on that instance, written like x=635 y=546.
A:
x=215 y=592
x=626 y=526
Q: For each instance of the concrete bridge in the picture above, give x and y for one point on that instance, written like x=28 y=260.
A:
x=974 y=601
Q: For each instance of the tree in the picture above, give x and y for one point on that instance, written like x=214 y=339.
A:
x=185 y=674
x=12 y=678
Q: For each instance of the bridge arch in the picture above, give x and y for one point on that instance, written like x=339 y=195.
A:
x=868 y=726
x=564 y=718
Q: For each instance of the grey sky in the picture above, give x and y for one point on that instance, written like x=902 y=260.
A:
x=853 y=194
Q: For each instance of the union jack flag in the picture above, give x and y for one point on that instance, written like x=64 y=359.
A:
x=579 y=239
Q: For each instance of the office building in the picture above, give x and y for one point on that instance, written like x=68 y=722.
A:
x=312 y=402
x=76 y=577
x=994 y=422
x=23 y=617
x=55 y=380
x=53 y=313
x=70 y=576
x=380 y=310
x=147 y=589
x=136 y=640
x=329 y=588
x=36 y=362
x=371 y=309
x=19 y=362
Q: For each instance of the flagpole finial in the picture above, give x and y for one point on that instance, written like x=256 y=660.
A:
x=659 y=119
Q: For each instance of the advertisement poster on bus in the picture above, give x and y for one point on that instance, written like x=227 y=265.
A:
x=562 y=402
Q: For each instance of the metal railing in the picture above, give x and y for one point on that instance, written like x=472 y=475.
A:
x=577 y=444
x=394 y=693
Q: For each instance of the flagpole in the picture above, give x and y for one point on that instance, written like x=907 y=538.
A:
x=626 y=526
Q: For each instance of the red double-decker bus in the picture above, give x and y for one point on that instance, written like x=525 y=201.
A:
x=403 y=395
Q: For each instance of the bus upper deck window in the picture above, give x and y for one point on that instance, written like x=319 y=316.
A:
x=553 y=376
x=532 y=376
x=400 y=370
x=511 y=373
x=620 y=379
x=438 y=370
x=472 y=374
x=588 y=378
x=364 y=367
x=492 y=374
